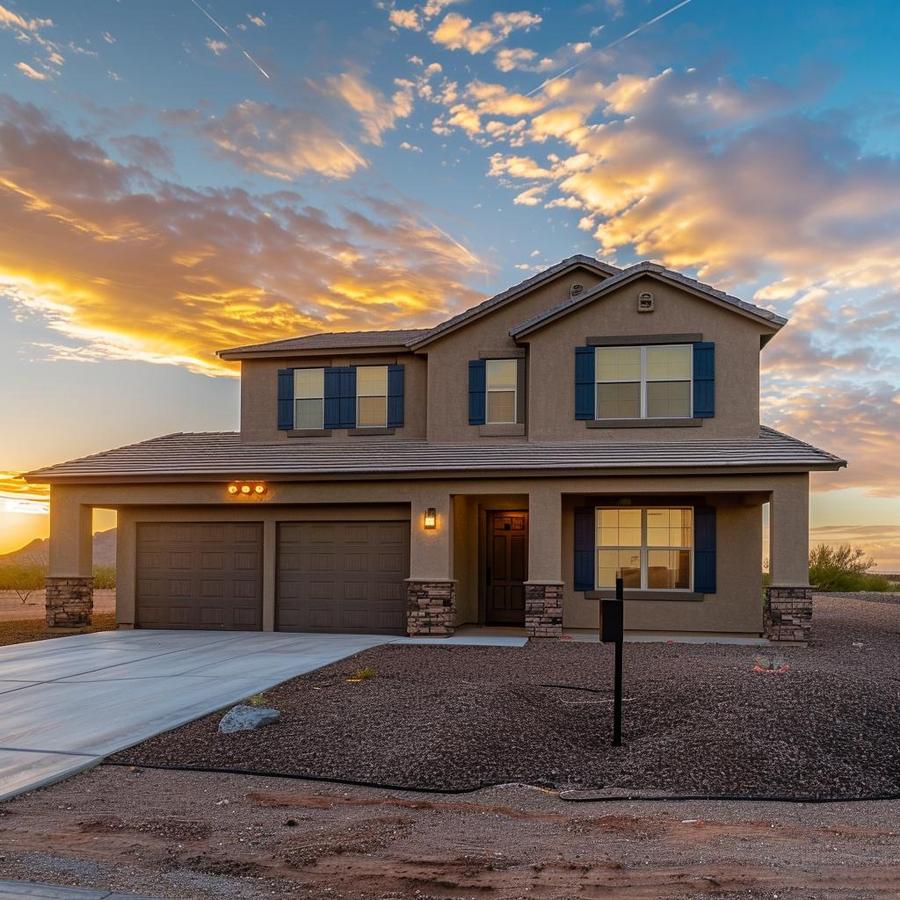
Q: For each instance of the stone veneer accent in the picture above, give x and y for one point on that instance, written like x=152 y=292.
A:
x=543 y=610
x=787 y=613
x=430 y=607
x=70 y=602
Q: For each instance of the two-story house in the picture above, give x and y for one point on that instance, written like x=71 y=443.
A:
x=500 y=468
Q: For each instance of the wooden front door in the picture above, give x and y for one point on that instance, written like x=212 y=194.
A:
x=506 y=568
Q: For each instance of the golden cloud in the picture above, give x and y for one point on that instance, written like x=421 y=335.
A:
x=17 y=496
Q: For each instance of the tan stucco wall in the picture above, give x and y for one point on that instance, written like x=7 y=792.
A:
x=448 y=358
x=551 y=364
x=259 y=395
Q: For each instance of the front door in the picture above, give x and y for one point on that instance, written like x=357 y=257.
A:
x=506 y=568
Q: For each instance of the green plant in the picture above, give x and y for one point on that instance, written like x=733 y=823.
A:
x=104 y=577
x=362 y=675
x=24 y=580
x=257 y=700
x=843 y=568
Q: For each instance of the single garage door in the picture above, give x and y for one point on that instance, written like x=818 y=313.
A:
x=342 y=576
x=199 y=575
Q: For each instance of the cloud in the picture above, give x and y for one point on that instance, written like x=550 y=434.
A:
x=510 y=59
x=405 y=145
x=258 y=20
x=10 y=19
x=30 y=72
x=456 y=32
x=123 y=265
x=107 y=37
x=281 y=143
x=406 y=18
x=377 y=113
x=881 y=542
x=143 y=151
x=17 y=496
x=217 y=47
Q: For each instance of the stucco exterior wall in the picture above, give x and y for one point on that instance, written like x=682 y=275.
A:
x=259 y=395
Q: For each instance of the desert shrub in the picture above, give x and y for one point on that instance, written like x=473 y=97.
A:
x=24 y=580
x=104 y=577
x=843 y=568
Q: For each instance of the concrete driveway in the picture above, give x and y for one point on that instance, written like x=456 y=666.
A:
x=67 y=703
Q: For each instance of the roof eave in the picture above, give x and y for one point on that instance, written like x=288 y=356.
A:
x=366 y=350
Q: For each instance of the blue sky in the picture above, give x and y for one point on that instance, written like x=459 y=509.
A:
x=170 y=186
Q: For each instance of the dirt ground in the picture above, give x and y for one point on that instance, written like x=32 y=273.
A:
x=13 y=609
x=229 y=836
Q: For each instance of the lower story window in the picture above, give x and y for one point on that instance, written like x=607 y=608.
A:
x=650 y=548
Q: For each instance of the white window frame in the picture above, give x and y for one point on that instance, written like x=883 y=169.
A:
x=296 y=399
x=643 y=382
x=488 y=391
x=385 y=395
x=643 y=549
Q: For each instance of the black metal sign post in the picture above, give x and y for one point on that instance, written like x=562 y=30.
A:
x=613 y=632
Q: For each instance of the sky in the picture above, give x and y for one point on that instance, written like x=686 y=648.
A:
x=181 y=176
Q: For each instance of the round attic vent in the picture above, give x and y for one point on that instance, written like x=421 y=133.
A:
x=575 y=290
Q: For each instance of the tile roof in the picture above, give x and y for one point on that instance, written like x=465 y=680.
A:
x=224 y=454
x=635 y=271
x=332 y=340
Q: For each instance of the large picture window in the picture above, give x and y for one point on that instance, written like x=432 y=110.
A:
x=371 y=396
x=501 y=377
x=651 y=548
x=309 y=399
x=644 y=382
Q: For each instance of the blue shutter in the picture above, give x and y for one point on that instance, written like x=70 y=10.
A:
x=705 y=549
x=332 y=397
x=285 y=399
x=348 y=397
x=584 y=548
x=704 y=380
x=584 y=383
x=395 y=397
x=477 y=385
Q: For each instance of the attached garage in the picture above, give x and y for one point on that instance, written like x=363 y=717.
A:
x=199 y=575
x=342 y=577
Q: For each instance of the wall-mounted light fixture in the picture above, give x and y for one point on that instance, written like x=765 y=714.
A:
x=430 y=520
x=247 y=488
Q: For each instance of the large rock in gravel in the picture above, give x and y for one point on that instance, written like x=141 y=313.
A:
x=247 y=718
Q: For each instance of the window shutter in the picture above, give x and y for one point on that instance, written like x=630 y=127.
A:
x=705 y=549
x=395 y=397
x=332 y=397
x=477 y=384
x=584 y=548
x=584 y=383
x=704 y=380
x=285 y=399
x=348 y=397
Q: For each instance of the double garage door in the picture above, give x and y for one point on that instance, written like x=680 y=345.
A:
x=330 y=576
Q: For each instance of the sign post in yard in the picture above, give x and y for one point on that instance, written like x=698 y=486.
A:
x=612 y=631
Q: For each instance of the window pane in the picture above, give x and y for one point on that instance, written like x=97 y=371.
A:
x=501 y=373
x=309 y=414
x=618 y=363
x=501 y=407
x=626 y=563
x=619 y=528
x=669 y=363
x=681 y=529
x=371 y=381
x=619 y=401
x=669 y=528
x=658 y=528
x=668 y=399
x=309 y=384
x=669 y=569
x=371 y=412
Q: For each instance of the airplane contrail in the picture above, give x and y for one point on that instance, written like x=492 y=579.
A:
x=609 y=46
x=227 y=34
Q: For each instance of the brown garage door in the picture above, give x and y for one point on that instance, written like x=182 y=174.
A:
x=199 y=575
x=342 y=576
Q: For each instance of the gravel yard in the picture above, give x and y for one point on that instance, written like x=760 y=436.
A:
x=698 y=718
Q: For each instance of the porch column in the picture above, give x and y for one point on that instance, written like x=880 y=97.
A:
x=544 y=588
x=431 y=589
x=788 y=604
x=69 y=583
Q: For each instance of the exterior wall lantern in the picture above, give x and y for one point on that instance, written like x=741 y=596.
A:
x=430 y=520
x=247 y=488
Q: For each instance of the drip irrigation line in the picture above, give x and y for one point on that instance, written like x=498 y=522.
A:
x=619 y=798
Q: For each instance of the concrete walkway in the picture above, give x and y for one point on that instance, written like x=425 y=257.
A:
x=67 y=703
x=16 y=890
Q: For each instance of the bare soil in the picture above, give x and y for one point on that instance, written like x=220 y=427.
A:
x=178 y=834
x=698 y=719
x=13 y=631
x=13 y=609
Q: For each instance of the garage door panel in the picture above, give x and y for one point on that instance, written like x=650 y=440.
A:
x=199 y=575
x=342 y=576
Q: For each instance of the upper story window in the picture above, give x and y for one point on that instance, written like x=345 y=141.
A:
x=309 y=399
x=644 y=382
x=501 y=377
x=649 y=548
x=371 y=396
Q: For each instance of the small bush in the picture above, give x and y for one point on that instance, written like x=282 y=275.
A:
x=105 y=577
x=24 y=580
x=843 y=568
x=362 y=675
x=257 y=700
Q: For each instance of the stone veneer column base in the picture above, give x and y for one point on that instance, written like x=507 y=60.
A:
x=430 y=607
x=70 y=602
x=543 y=610
x=787 y=613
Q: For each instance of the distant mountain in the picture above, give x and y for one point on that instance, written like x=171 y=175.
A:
x=37 y=552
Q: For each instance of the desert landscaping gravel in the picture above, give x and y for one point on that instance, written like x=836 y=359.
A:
x=698 y=718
